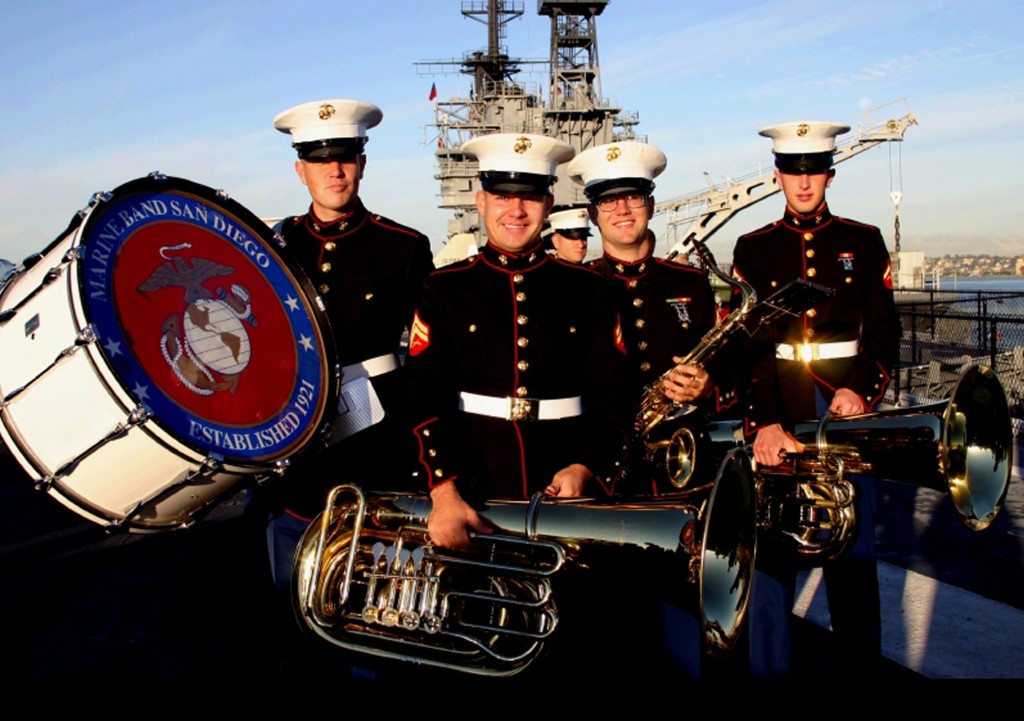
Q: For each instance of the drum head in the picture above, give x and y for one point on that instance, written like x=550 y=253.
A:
x=203 y=322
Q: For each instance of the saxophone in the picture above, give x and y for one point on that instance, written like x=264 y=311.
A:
x=673 y=448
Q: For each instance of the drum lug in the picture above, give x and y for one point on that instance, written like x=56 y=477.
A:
x=138 y=416
x=279 y=239
x=102 y=196
x=157 y=175
x=223 y=194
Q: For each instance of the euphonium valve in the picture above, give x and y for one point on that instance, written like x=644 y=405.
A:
x=367 y=579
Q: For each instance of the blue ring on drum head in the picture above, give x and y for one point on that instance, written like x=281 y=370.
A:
x=261 y=441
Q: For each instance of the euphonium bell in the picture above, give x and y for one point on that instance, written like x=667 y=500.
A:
x=962 y=446
x=367 y=579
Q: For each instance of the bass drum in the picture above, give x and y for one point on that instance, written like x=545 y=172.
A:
x=158 y=353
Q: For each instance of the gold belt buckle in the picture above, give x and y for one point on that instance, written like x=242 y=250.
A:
x=522 y=409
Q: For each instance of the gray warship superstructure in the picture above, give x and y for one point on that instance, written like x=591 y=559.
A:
x=572 y=108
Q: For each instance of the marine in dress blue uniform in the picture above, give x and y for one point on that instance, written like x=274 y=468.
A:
x=367 y=270
x=665 y=308
x=569 y=234
x=513 y=354
x=837 y=356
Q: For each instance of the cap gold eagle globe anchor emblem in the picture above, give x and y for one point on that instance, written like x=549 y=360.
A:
x=522 y=145
x=802 y=130
x=326 y=111
x=613 y=154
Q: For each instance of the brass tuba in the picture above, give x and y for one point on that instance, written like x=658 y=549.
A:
x=367 y=579
x=962 y=446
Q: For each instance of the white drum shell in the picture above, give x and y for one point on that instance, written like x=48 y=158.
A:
x=68 y=412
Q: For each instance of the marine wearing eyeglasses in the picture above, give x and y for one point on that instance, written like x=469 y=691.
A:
x=666 y=307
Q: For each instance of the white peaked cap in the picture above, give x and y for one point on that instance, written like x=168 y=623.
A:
x=628 y=159
x=804 y=137
x=518 y=153
x=572 y=219
x=328 y=119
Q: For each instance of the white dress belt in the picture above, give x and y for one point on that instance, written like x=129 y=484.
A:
x=370 y=367
x=520 y=409
x=807 y=352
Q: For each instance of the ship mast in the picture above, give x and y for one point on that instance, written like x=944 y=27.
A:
x=575 y=111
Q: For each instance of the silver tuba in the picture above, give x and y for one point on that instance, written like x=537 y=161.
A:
x=962 y=446
x=367 y=579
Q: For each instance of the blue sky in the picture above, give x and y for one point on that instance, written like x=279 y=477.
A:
x=98 y=93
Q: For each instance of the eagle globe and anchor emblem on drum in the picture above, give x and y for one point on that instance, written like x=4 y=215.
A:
x=209 y=336
x=205 y=323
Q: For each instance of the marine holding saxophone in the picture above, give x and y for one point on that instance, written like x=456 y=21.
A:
x=664 y=307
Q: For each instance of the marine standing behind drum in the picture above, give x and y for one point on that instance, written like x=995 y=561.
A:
x=512 y=354
x=837 y=357
x=367 y=269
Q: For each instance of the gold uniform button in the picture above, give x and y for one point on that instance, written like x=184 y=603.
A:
x=523 y=342
x=849 y=279
x=639 y=323
x=809 y=333
x=329 y=246
x=638 y=302
x=325 y=267
x=808 y=236
x=572 y=329
x=472 y=327
x=522 y=320
x=811 y=272
x=520 y=296
x=810 y=253
x=775 y=283
x=632 y=284
x=439 y=473
x=811 y=313
x=642 y=345
x=369 y=296
x=432 y=453
x=522 y=365
x=521 y=391
x=517 y=278
x=645 y=366
x=324 y=287
x=426 y=432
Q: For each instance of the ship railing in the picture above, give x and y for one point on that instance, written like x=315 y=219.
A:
x=944 y=333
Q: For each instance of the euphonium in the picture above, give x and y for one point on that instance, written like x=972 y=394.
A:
x=367 y=579
x=962 y=446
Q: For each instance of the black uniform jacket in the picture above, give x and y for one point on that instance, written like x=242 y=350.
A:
x=367 y=269
x=848 y=257
x=514 y=326
x=666 y=308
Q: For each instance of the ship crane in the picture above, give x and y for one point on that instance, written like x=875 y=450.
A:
x=702 y=213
